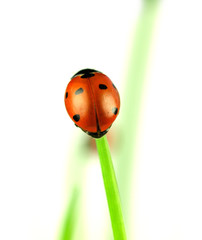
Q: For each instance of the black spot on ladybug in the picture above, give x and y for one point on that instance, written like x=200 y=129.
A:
x=76 y=117
x=66 y=95
x=102 y=86
x=113 y=85
x=86 y=73
x=79 y=91
x=115 y=110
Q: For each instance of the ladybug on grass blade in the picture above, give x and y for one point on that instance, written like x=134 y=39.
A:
x=92 y=102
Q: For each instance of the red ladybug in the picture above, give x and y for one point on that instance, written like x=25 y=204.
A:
x=92 y=102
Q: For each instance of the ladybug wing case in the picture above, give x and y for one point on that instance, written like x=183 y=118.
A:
x=79 y=104
x=107 y=100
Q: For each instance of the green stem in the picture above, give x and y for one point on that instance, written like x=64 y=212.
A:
x=69 y=221
x=111 y=189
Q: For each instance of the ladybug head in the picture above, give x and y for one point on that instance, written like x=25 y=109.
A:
x=85 y=73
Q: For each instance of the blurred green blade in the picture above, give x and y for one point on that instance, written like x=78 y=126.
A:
x=69 y=222
x=131 y=104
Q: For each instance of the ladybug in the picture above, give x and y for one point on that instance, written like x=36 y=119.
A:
x=92 y=102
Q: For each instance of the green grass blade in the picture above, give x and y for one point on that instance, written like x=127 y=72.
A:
x=134 y=91
x=111 y=189
x=69 y=222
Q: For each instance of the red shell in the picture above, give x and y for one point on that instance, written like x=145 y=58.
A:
x=92 y=102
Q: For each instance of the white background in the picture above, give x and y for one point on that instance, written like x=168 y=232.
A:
x=42 y=44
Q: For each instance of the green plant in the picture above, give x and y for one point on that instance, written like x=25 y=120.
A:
x=111 y=189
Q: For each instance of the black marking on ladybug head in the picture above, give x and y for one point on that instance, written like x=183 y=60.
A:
x=86 y=73
x=66 y=96
x=115 y=110
x=76 y=117
x=102 y=86
x=79 y=91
